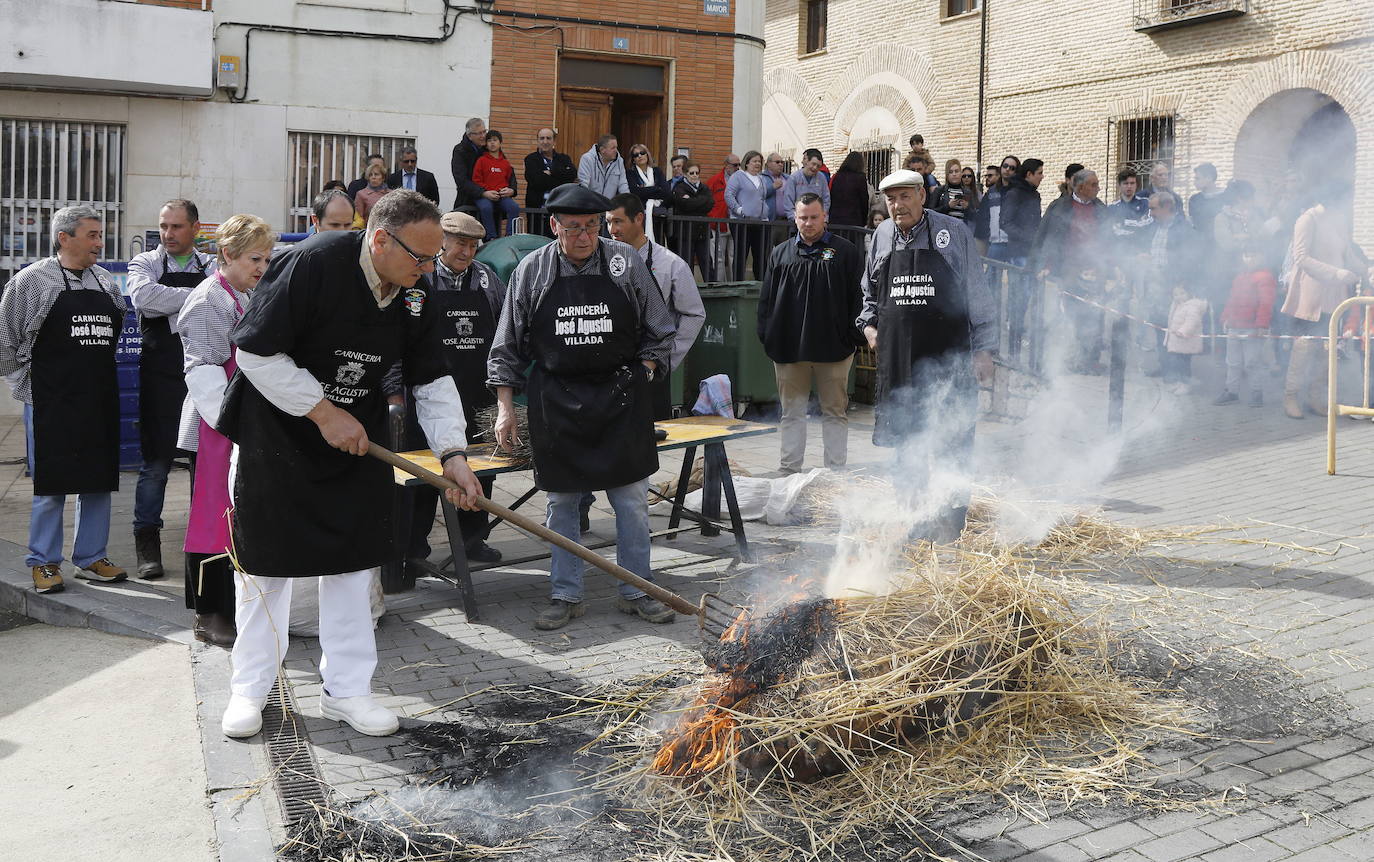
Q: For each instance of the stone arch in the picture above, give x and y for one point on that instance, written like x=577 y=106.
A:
x=782 y=81
x=891 y=76
x=1337 y=77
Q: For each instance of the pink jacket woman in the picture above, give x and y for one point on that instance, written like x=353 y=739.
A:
x=1324 y=263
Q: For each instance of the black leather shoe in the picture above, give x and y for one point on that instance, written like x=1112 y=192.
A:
x=216 y=629
x=481 y=552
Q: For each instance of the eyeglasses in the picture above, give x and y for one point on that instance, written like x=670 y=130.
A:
x=419 y=261
x=593 y=228
x=1006 y=167
x=639 y=153
x=694 y=173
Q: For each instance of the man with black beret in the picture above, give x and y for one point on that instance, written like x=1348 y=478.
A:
x=585 y=311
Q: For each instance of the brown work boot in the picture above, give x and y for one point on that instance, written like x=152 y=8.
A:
x=102 y=571
x=47 y=578
x=148 y=548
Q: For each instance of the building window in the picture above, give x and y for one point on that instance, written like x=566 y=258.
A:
x=961 y=7
x=46 y=165
x=315 y=158
x=1154 y=15
x=877 y=162
x=1141 y=142
x=816 y=13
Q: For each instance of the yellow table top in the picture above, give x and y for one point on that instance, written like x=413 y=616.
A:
x=684 y=432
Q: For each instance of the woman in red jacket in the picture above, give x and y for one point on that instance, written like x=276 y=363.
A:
x=1249 y=308
x=497 y=178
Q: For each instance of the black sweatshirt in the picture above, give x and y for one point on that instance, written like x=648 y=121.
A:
x=810 y=299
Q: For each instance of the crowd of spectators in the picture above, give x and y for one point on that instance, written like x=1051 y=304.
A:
x=1223 y=271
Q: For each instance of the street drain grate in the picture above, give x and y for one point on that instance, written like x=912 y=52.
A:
x=299 y=786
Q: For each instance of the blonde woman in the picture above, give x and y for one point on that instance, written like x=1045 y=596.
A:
x=210 y=313
x=367 y=197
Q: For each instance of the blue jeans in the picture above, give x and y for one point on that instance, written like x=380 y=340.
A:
x=150 y=492
x=631 y=536
x=486 y=211
x=45 y=521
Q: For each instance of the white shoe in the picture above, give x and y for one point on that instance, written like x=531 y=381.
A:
x=243 y=716
x=362 y=713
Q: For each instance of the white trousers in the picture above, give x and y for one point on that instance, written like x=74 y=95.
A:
x=263 y=613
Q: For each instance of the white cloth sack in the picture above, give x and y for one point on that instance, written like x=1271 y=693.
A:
x=773 y=501
x=305 y=605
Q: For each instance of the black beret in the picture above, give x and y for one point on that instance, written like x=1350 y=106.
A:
x=575 y=199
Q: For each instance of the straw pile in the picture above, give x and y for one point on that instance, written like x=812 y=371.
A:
x=974 y=676
x=486 y=422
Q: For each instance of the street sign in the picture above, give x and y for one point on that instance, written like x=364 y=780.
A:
x=715 y=7
x=621 y=43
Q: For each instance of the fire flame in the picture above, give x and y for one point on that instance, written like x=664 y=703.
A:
x=755 y=652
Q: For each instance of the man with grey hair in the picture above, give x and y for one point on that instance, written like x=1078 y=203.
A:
x=1073 y=248
x=331 y=210
x=327 y=322
x=160 y=280
x=411 y=176
x=465 y=155
x=601 y=169
x=59 y=322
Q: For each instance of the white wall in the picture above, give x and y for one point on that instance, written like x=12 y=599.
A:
x=99 y=45
x=232 y=158
x=748 y=115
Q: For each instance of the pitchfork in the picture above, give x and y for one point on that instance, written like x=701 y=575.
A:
x=714 y=614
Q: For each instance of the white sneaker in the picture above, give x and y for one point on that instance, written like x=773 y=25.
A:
x=243 y=716
x=362 y=713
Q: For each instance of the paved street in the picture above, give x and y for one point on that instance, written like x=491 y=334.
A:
x=1300 y=755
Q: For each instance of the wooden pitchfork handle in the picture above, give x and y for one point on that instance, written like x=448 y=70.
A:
x=671 y=599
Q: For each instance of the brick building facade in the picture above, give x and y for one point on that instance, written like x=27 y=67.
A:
x=1260 y=88
x=661 y=74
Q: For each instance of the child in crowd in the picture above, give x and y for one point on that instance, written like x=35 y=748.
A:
x=1245 y=319
x=497 y=178
x=368 y=196
x=1183 y=340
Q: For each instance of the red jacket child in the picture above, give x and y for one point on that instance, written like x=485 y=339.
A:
x=492 y=172
x=1250 y=304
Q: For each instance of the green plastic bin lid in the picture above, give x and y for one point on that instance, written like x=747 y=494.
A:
x=503 y=254
x=726 y=289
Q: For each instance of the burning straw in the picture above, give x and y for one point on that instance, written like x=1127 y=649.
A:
x=975 y=675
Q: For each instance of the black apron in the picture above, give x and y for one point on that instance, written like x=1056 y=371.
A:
x=162 y=374
x=468 y=327
x=591 y=426
x=925 y=362
x=75 y=395
x=301 y=507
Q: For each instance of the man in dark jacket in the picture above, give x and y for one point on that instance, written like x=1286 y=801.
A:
x=1073 y=248
x=807 y=307
x=1020 y=220
x=545 y=170
x=410 y=176
x=465 y=154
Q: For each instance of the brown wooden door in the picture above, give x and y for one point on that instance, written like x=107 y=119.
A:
x=638 y=119
x=583 y=116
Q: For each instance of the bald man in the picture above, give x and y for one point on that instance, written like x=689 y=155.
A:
x=545 y=170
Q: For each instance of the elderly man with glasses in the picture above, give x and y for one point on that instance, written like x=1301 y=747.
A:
x=328 y=320
x=585 y=312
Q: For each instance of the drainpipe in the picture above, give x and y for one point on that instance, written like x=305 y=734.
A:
x=982 y=78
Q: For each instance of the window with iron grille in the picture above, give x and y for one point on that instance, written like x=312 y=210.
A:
x=1141 y=142
x=877 y=163
x=961 y=7
x=46 y=165
x=1152 y=15
x=815 y=21
x=315 y=158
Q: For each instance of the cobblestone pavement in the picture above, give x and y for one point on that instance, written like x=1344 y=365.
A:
x=1297 y=764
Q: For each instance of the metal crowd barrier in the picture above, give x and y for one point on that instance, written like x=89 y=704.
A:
x=1334 y=409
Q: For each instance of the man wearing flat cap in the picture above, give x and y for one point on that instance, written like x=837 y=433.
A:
x=467 y=295
x=930 y=317
x=585 y=311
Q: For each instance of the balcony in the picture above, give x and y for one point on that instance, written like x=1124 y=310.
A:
x=141 y=48
x=1151 y=16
